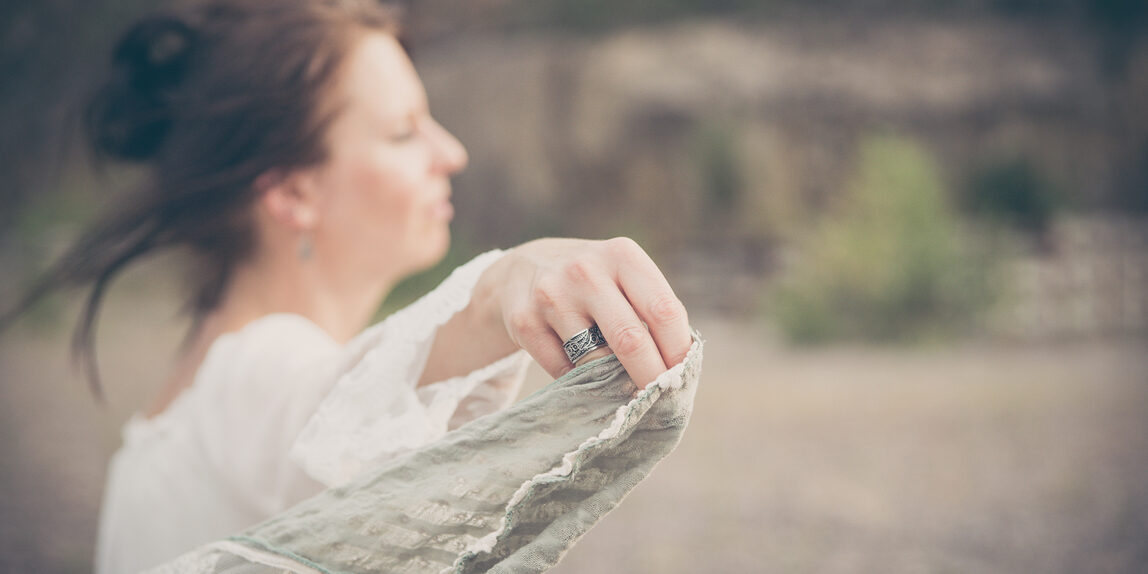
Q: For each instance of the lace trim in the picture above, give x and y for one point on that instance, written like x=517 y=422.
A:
x=374 y=411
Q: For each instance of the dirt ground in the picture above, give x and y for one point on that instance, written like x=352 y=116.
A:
x=968 y=458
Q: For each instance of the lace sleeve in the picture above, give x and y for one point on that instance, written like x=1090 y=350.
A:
x=376 y=410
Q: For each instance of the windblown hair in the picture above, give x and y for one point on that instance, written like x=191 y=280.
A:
x=209 y=95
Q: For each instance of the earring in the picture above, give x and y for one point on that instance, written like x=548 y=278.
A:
x=305 y=247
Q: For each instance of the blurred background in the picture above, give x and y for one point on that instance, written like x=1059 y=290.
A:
x=913 y=233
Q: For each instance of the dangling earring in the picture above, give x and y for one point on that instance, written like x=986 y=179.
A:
x=305 y=247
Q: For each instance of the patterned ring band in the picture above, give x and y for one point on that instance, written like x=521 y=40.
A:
x=583 y=342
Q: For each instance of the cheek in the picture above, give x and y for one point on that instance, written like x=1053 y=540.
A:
x=379 y=200
x=385 y=192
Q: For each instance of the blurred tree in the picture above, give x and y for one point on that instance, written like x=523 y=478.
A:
x=890 y=264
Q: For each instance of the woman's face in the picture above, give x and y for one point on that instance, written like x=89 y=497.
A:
x=383 y=195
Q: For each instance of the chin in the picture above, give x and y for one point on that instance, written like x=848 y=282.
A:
x=433 y=249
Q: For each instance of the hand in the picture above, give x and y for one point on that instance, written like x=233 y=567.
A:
x=550 y=289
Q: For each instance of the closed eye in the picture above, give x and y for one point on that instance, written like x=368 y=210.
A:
x=405 y=131
x=403 y=135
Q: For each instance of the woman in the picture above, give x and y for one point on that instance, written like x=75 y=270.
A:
x=293 y=155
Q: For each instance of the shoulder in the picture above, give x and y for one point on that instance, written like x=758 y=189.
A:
x=278 y=351
x=283 y=331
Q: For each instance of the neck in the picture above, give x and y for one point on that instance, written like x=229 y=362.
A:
x=339 y=301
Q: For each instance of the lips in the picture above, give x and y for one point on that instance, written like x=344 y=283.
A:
x=443 y=210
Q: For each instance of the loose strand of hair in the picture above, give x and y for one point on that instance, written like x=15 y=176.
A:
x=84 y=337
x=96 y=258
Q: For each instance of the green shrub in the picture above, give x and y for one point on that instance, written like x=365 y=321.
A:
x=890 y=264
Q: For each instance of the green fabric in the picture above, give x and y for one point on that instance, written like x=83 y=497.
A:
x=509 y=492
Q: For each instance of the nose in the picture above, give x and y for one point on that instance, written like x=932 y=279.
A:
x=450 y=154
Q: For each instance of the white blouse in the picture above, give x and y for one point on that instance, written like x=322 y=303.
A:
x=279 y=411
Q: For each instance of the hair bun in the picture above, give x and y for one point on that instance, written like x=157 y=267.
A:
x=155 y=52
x=130 y=116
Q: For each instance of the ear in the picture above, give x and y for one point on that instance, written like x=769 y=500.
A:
x=290 y=199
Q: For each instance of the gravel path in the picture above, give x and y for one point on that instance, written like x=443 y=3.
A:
x=970 y=458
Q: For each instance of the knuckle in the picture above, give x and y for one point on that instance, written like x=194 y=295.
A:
x=623 y=247
x=545 y=293
x=523 y=325
x=667 y=309
x=580 y=271
x=629 y=339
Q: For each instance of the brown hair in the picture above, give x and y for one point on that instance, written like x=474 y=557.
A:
x=209 y=95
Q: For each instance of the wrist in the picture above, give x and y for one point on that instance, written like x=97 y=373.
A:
x=485 y=308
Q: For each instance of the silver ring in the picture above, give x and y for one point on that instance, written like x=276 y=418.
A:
x=583 y=342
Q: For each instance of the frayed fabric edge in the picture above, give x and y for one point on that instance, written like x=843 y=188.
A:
x=672 y=379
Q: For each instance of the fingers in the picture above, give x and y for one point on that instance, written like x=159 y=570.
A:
x=562 y=308
x=566 y=325
x=627 y=336
x=533 y=334
x=569 y=285
x=545 y=344
x=651 y=296
x=590 y=294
